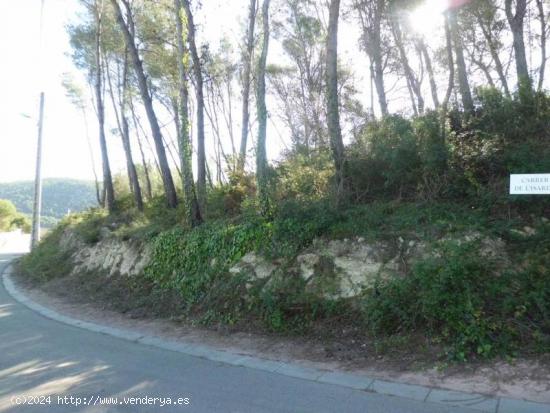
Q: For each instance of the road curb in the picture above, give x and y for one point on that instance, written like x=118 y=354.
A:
x=477 y=402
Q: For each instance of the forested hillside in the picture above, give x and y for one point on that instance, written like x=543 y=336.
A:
x=407 y=167
x=60 y=196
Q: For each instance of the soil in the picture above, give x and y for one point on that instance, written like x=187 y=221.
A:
x=329 y=345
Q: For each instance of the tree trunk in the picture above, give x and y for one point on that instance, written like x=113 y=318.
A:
x=92 y=158
x=199 y=90
x=192 y=207
x=463 y=85
x=429 y=68
x=109 y=199
x=494 y=54
x=379 y=71
x=450 y=62
x=333 y=109
x=261 y=155
x=124 y=130
x=247 y=63
x=370 y=14
x=515 y=20
x=148 y=186
x=543 y=34
x=412 y=81
x=167 y=180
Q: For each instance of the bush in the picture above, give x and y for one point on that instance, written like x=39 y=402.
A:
x=460 y=299
x=227 y=200
x=47 y=260
x=11 y=219
x=304 y=178
x=384 y=162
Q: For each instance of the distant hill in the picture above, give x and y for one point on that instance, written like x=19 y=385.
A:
x=59 y=196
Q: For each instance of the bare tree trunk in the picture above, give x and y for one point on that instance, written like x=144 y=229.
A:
x=92 y=158
x=429 y=67
x=139 y=127
x=494 y=54
x=109 y=198
x=199 y=89
x=148 y=187
x=450 y=62
x=167 y=180
x=370 y=14
x=124 y=130
x=261 y=155
x=412 y=81
x=333 y=109
x=515 y=20
x=483 y=67
x=247 y=63
x=543 y=34
x=463 y=85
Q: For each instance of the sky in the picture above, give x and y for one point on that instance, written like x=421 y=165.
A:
x=66 y=153
x=24 y=75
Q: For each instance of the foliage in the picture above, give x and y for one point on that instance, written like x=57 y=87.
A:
x=11 y=219
x=47 y=260
x=466 y=301
x=384 y=161
x=228 y=200
x=303 y=177
x=189 y=262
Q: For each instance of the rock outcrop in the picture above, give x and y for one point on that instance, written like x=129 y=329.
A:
x=345 y=268
x=110 y=255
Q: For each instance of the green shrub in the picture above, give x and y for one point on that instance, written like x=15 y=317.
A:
x=384 y=162
x=11 y=219
x=47 y=260
x=227 y=200
x=305 y=178
x=461 y=299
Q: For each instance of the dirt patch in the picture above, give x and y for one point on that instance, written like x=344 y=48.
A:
x=330 y=345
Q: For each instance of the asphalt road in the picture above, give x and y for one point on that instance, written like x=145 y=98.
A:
x=41 y=357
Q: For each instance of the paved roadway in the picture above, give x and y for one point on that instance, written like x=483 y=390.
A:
x=40 y=357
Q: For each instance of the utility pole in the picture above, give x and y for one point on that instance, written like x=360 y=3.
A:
x=37 y=207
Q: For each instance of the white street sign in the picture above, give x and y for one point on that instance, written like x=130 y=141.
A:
x=530 y=184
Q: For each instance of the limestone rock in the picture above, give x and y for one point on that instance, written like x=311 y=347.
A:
x=255 y=266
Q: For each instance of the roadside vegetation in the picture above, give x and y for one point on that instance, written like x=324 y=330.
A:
x=10 y=219
x=405 y=178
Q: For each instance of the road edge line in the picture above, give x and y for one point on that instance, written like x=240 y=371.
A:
x=338 y=378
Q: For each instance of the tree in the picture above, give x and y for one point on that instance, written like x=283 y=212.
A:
x=169 y=188
x=429 y=68
x=75 y=93
x=462 y=74
x=115 y=53
x=300 y=86
x=333 y=108
x=450 y=64
x=246 y=80
x=7 y=214
x=515 y=20
x=413 y=81
x=107 y=177
x=543 y=36
x=370 y=16
x=261 y=155
x=199 y=90
x=192 y=207
x=486 y=17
